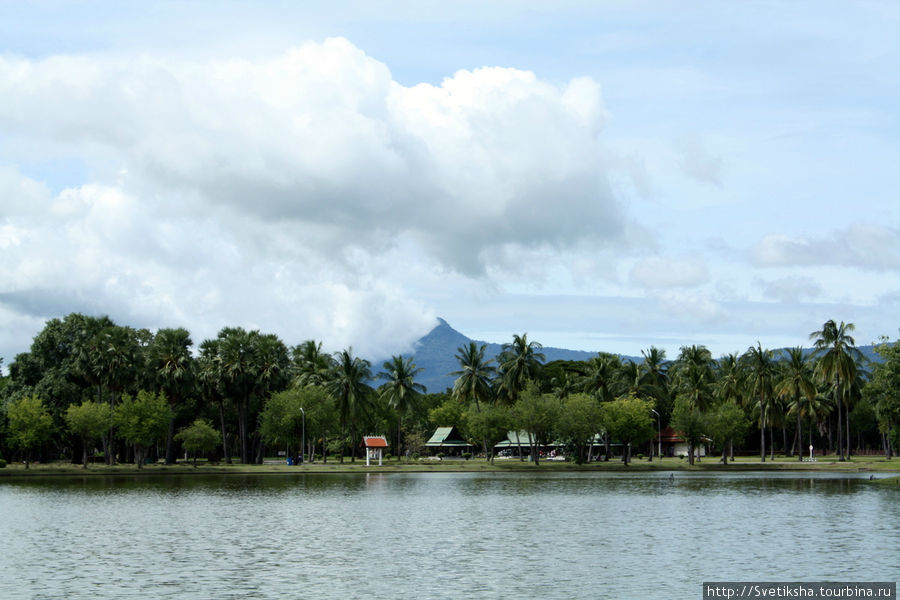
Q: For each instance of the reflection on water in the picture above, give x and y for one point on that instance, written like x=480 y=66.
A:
x=439 y=535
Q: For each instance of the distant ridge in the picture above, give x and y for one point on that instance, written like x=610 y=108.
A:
x=435 y=352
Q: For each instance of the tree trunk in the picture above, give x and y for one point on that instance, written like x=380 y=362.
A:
x=84 y=452
x=762 y=429
x=847 y=425
x=170 y=441
x=242 y=431
x=224 y=435
x=840 y=427
x=691 y=453
x=724 y=454
x=799 y=438
x=784 y=439
x=772 y=443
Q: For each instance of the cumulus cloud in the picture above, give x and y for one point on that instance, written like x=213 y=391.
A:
x=322 y=134
x=305 y=194
x=660 y=273
x=866 y=246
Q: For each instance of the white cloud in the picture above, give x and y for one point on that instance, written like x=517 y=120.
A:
x=304 y=194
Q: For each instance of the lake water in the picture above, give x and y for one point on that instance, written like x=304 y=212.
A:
x=440 y=535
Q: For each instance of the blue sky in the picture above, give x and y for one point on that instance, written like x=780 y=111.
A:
x=603 y=176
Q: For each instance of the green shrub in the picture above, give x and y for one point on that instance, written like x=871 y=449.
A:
x=2 y=464
x=440 y=455
x=467 y=455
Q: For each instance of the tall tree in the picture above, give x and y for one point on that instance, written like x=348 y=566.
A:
x=520 y=362
x=761 y=373
x=210 y=384
x=602 y=378
x=348 y=385
x=246 y=367
x=311 y=366
x=884 y=391
x=171 y=365
x=473 y=380
x=795 y=379
x=401 y=390
x=837 y=356
x=694 y=377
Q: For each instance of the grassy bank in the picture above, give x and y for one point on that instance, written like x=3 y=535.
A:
x=781 y=463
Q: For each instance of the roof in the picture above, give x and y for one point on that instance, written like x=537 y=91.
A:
x=669 y=436
x=374 y=441
x=446 y=437
x=514 y=439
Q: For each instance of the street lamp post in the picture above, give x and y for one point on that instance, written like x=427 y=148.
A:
x=658 y=436
x=303 y=438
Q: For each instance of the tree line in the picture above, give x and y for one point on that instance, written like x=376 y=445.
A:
x=90 y=388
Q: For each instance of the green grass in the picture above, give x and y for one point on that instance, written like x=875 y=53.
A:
x=708 y=464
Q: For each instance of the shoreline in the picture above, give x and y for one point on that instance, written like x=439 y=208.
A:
x=712 y=465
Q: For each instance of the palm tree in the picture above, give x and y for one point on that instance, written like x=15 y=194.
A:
x=311 y=365
x=520 y=362
x=634 y=380
x=348 y=386
x=208 y=370
x=401 y=390
x=731 y=385
x=837 y=355
x=761 y=372
x=603 y=376
x=694 y=375
x=795 y=379
x=169 y=358
x=473 y=380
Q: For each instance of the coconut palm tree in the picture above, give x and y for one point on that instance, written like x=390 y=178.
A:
x=837 y=356
x=761 y=373
x=401 y=389
x=311 y=366
x=473 y=380
x=520 y=362
x=348 y=385
x=795 y=379
x=694 y=376
x=602 y=378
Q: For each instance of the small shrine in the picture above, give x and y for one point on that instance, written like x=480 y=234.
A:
x=375 y=445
